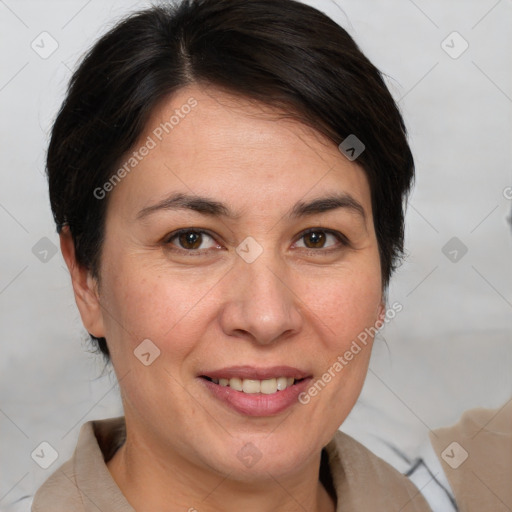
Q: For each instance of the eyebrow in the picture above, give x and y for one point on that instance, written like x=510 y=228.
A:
x=325 y=204
x=210 y=207
x=196 y=203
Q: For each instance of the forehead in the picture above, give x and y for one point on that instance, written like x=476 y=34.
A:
x=204 y=141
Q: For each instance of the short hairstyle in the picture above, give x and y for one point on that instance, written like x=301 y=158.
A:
x=284 y=54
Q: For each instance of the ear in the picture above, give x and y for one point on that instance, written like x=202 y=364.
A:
x=381 y=312
x=85 y=287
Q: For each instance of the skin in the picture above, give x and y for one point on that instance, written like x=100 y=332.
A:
x=297 y=304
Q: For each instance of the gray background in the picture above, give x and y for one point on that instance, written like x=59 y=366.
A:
x=447 y=351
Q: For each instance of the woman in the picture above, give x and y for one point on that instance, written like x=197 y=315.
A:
x=228 y=180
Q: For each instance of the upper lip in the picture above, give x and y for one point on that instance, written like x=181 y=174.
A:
x=255 y=373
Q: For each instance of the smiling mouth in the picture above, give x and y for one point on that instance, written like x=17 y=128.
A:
x=253 y=386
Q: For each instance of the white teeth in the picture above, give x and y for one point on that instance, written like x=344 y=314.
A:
x=251 y=386
x=282 y=383
x=267 y=386
x=236 y=384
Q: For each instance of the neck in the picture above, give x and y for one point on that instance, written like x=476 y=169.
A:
x=150 y=481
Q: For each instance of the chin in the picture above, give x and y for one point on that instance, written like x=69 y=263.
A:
x=265 y=456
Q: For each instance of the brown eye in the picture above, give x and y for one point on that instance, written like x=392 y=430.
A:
x=190 y=240
x=314 y=240
x=322 y=239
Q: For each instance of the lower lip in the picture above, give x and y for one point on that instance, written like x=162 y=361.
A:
x=257 y=404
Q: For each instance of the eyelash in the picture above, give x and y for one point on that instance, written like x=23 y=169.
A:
x=340 y=237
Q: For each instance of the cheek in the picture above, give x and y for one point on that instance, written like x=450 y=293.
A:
x=146 y=302
x=346 y=304
x=346 y=309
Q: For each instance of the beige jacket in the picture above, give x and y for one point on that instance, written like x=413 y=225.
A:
x=362 y=481
x=476 y=455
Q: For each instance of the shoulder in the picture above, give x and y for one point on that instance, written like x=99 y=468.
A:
x=369 y=483
x=476 y=455
x=84 y=483
x=59 y=492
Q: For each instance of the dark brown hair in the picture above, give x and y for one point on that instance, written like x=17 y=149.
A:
x=282 y=53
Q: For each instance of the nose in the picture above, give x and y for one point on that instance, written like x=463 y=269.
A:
x=260 y=305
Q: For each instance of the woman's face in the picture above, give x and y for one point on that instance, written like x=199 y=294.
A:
x=274 y=275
